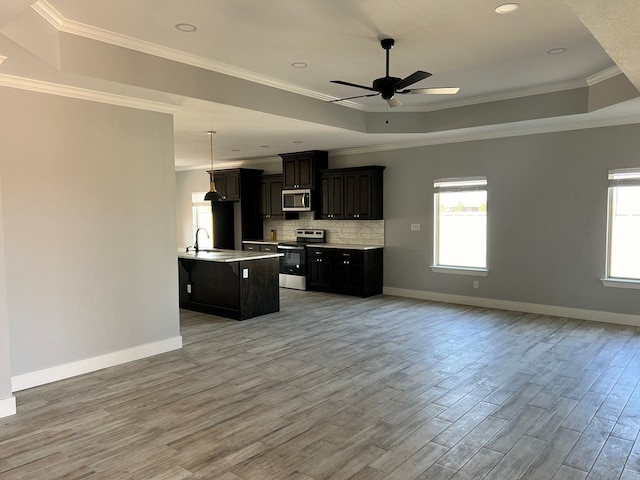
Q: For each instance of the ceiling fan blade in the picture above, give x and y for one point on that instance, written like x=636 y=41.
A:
x=411 y=79
x=394 y=102
x=434 y=91
x=351 y=98
x=349 y=84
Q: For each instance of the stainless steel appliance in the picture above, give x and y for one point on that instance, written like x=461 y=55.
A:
x=296 y=200
x=293 y=263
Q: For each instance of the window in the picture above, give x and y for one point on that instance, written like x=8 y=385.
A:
x=623 y=232
x=460 y=231
x=202 y=218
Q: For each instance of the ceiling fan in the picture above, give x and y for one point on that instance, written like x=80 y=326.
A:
x=388 y=86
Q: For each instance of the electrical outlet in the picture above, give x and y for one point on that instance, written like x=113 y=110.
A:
x=476 y=284
x=415 y=227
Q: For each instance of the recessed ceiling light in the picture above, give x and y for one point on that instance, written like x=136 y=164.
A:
x=556 y=51
x=507 y=8
x=186 y=27
x=299 y=65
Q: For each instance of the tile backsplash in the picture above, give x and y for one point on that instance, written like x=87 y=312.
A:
x=360 y=232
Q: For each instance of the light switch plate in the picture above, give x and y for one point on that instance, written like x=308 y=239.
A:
x=245 y=273
x=415 y=227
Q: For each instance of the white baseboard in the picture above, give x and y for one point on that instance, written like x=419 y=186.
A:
x=48 y=375
x=556 y=311
x=7 y=406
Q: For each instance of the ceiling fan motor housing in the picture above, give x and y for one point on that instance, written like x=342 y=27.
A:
x=385 y=86
x=387 y=43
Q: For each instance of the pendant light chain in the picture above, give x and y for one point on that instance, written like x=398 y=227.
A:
x=213 y=183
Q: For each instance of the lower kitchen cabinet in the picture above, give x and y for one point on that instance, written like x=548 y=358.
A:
x=260 y=246
x=320 y=269
x=347 y=271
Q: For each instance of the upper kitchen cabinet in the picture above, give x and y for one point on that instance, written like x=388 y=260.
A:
x=236 y=183
x=227 y=184
x=299 y=169
x=270 y=196
x=352 y=193
x=332 y=186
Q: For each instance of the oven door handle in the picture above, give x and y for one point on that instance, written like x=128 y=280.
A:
x=287 y=247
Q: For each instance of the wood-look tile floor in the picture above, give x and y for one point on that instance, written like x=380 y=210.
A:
x=336 y=387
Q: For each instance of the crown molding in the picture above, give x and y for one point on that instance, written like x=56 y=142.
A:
x=603 y=75
x=49 y=13
x=40 y=86
x=62 y=24
x=87 y=31
x=567 y=123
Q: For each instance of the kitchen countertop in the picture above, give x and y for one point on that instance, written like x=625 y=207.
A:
x=346 y=246
x=224 y=256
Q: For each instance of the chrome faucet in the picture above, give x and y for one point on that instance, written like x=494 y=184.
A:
x=196 y=244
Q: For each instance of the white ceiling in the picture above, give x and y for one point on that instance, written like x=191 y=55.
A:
x=234 y=73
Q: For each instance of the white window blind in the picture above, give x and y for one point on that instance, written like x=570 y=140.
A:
x=460 y=216
x=202 y=218
x=623 y=225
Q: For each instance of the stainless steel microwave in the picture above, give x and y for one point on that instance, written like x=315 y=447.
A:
x=296 y=200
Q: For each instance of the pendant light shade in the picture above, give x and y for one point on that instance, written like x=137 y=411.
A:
x=212 y=195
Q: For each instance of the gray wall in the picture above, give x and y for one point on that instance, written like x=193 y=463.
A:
x=547 y=201
x=88 y=204
x=5 y=358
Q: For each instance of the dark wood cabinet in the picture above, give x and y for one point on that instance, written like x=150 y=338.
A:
x=260 y=247
x=227 y=184
x=320 y=269
x=299 y=169
x=331 y=187
x=270 y=196
x=241 y=289
x=239 y=208
x=346 y=271
x=352 y=193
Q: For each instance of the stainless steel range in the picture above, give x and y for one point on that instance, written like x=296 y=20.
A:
x=293 y=264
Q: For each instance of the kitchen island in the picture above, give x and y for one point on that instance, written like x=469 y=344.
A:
x=230 y=283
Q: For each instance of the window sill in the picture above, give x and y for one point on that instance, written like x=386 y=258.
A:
x=476 y=272
x=620 y=283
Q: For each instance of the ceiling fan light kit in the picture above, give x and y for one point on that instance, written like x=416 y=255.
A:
x=387 y=87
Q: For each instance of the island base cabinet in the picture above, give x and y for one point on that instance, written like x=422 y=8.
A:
x=238 y=290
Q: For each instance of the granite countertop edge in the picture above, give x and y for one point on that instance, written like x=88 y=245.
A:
x=226 y=256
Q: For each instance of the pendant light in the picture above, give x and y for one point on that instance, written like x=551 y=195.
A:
x=212 y=194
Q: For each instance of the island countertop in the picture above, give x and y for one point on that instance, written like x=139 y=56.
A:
x=226 y=256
